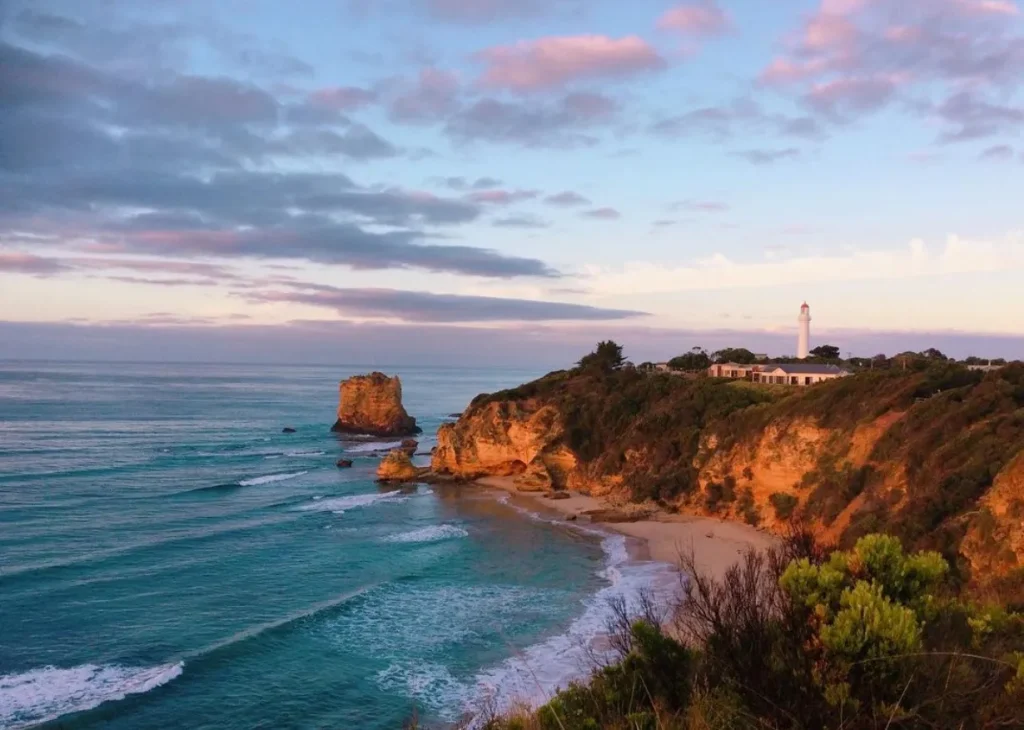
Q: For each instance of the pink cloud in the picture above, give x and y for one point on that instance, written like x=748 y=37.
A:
x=700 y=19
x=854 y=57
x=988 y=7
x=554 y=62
x=24 y=263
x=502 y=197
x=843 y=96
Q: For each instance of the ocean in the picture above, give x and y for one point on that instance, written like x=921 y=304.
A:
x=170 y=559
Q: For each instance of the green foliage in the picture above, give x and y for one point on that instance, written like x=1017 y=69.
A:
x=739 y=355
x=691 y=362
x=606 y=357
x=869 y=625
x=826 y=352
x=747 y=508
x=802 y=638
x=784 y=504
x=655 y=674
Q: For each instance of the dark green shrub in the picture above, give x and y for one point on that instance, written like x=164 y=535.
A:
x=784 y=504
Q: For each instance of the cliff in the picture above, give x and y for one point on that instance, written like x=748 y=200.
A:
x=372 y=404
x=934 y=457
x=504 y=439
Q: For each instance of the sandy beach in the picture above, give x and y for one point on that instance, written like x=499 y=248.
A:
x=717 y=544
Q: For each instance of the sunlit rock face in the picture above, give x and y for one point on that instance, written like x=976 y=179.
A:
x=372 y=404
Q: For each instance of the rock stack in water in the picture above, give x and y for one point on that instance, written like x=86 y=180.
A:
x=372 y=404
x=397 y=467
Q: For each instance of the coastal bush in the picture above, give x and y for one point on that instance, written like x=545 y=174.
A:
x=804 y=637
x=784 y=504
x=748 y=508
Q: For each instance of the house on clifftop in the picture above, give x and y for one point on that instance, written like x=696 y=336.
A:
x=799 y=374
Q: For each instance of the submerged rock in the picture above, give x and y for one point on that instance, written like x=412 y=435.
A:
x=344 y=463
x=287 y=429
x=397 y=467
x=372 y=404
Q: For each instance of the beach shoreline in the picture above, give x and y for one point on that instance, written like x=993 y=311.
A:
x=661 y=537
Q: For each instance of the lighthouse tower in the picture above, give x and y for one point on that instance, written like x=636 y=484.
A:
x=803 y=342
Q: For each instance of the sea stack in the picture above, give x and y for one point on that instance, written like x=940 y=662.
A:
x=372 y=404
x=396 y=467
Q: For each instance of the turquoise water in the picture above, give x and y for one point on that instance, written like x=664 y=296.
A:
x=170 y=559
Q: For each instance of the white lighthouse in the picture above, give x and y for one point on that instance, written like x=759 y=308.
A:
x=803 y=343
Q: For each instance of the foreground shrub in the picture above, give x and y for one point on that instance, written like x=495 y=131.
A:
x=804 y=638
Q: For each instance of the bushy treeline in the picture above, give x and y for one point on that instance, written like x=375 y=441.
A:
x=801 y=638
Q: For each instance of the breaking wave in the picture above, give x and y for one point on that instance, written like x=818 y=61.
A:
x=433 y=533
x=270 y=478
x=44 y=694
x=339 y=505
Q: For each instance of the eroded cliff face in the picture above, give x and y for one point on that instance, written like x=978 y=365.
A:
x=372 y=404
x=521 y=439
x=994 y=544
x=793 y=468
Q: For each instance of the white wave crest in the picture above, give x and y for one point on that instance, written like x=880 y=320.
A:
x=371 y=446
x=339 y=505
x=433 y=533
x=307 y=452
x=270 y=478
x=47 y=693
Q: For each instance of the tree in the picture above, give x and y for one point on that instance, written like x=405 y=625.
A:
x=826 y=352
x=691 y=361
x=606 y=357
x=738 y=355
x=932 y=354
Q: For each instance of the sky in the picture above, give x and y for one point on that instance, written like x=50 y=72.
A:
x=508 y=181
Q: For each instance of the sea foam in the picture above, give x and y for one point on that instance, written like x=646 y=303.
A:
x=433 y=533
x=47 y=693
x=535 y=674
x=371 y=446
x=339 y=505
x=270 y=478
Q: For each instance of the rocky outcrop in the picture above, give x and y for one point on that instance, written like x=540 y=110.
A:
x=995 y=536
x=397 y=467
x=520 y=439
x=372 y=404
x=344 y=463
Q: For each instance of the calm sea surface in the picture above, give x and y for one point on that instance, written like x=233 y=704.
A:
x=170 y=559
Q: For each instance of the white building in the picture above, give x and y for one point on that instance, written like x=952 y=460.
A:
x=803 y=342
x=797 y=374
